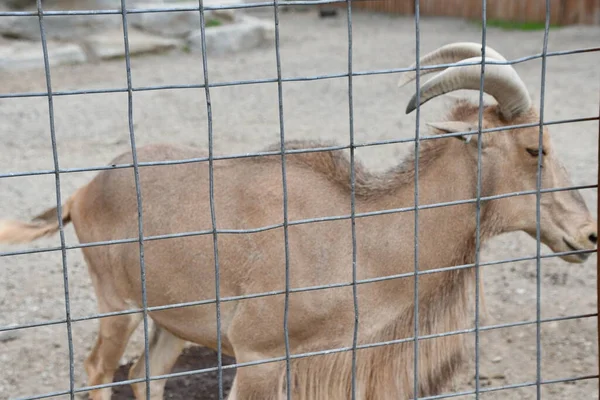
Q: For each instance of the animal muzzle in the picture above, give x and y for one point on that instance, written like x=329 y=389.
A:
x=586 y=238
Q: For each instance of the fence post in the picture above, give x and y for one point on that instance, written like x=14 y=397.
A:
x=598 y=264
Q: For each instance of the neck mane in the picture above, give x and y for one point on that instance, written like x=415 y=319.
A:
x=336 y=167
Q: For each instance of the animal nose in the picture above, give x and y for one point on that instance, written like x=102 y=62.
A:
x=593 y=237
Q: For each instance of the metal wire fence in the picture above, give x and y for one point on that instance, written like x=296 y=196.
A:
x=207 y=85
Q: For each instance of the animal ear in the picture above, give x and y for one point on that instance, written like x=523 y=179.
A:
x=454 y=127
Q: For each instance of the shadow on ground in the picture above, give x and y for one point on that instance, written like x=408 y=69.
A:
x=202 y=386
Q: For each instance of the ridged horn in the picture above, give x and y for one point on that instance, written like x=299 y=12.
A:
x=500 y=81
x=448 y=54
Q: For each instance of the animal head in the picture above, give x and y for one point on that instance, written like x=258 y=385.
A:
x=510 y=157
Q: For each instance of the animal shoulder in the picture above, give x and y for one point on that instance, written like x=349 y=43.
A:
x=333 y=164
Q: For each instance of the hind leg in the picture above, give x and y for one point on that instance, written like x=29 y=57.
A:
x=110 y=345
x=164 y=349
x=114 y=332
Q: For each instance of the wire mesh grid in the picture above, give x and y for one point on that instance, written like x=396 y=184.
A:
x=355 y=283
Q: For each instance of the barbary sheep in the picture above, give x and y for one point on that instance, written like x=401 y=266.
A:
x=248 y=195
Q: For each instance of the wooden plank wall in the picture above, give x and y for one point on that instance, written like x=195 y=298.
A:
x=387 y=6
x=507 y=10
x=581 y=11
x=562 y=12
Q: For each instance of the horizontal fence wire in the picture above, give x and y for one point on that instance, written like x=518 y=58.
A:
x=332 y=351
x=301 y=222
x=293 y=151
x=298 y=79
x=69 y=319
x=338 y=350
x=442 y=396
x=297 y=290
x=149 y=10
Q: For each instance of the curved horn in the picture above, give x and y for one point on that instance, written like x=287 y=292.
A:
x=448 y=54
x=500 y=81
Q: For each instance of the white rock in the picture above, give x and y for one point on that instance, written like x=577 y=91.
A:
x=64 y=27
x=111 y=44
x=18 y=55
x=77 y=4
x=246 y=33
x=65 y=4
x=175 y=23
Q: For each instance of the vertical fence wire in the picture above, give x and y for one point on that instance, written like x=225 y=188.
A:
x=352 y=199
x=59 y=210
x=138 y=194
x=417 y=147
x=478 y=198
x=597 y=250
x=538 y=197
x=211 y=192
x=288 y=369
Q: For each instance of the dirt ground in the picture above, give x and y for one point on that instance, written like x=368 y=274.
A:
x=92 y=129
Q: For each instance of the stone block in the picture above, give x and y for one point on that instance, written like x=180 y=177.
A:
x=246 y=33
x=178 y=23
x=62 y=27
x=174 y=24
x=111 y=44
x=63 y=4
x=19 y=55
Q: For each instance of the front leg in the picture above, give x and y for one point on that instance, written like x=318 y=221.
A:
x=258 y=382
x=164 y=350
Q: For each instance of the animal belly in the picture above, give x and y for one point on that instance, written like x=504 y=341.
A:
x=197 y=324
x=180 y=280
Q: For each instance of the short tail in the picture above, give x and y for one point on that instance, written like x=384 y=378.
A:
x=45 y=224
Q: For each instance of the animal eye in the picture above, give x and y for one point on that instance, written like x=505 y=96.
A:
x=535 y=152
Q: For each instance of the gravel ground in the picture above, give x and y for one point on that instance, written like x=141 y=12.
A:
x=92 y=129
